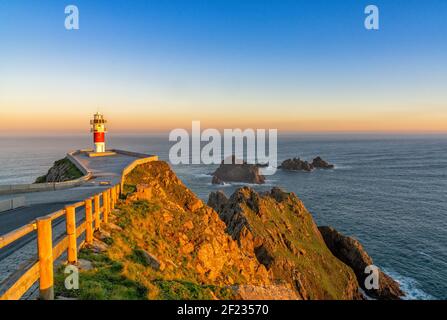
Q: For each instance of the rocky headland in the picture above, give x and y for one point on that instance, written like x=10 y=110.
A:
x=352 y=253
x=62 y=170
x=163 y=242
x=276 y=227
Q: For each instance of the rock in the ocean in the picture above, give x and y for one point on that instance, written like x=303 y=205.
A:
x=237 y=171
x=296 y=164
x=352 y=253
x=322 y=164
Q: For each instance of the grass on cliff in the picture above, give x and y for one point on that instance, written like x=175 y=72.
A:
x=104 y=282
x=122 y=273
x=298 y=232
x=108 y=282
x=71 y=172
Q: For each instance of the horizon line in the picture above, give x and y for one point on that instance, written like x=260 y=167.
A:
x=280 y=132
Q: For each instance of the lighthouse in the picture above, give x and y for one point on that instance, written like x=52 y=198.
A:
x=98 y=128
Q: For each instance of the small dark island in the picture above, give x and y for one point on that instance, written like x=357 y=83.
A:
x=321 y=164
x=296 y=164
x=237 y=171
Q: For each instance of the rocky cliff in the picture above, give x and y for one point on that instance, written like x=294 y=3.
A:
x=165 y=243
x=352 y=253
x=62 y=170
x=278 y=229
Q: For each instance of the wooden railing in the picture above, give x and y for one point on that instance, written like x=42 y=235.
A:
x=42 y=269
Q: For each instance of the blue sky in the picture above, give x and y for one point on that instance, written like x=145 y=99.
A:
x=312 y=62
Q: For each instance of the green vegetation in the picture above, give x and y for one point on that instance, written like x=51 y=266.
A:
x=41 y=179
x=128 y=189
x=138 y=257
x=107 y=281
x=62 y=170
x=104 y=282
x=137 y=209
x=184 y=290
x=290 y=234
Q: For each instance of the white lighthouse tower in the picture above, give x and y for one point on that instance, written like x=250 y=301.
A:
x=98 y=128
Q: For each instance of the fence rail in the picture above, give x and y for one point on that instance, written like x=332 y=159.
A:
x=42 y=269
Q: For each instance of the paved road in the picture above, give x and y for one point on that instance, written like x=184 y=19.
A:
x=103 y=168
x=42 y=203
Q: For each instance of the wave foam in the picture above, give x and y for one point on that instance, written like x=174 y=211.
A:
x=409 y=286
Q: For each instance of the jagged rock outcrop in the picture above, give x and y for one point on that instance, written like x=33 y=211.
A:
x=352 y=253
x=165 y=243
x=321 y=164
x=296 y=164
x=62 y=170
x=237 y=171
x=164 y=218
x=278 y=229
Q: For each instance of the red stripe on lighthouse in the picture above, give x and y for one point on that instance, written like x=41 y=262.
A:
x=98 y=137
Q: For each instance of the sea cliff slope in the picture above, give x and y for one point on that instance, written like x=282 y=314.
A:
x=164 y=243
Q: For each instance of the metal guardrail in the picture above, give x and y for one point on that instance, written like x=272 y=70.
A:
x=42 y=269
x=12 y=203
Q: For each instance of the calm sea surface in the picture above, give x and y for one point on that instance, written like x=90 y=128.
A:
x=390 y=192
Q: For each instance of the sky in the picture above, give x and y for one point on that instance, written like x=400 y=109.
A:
x=301 y=65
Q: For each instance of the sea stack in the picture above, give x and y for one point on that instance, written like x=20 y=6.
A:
x=237 y=170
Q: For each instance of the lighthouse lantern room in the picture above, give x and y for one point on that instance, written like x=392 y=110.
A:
x=98 y=128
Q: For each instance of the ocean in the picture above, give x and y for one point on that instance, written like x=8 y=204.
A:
x=388 y=191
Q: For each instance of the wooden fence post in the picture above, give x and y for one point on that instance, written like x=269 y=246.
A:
x=72 y=251
x=105 y=205
x=110 y=196
x=88 y=221
x=113 y=196
x=45 y=253
x=97 y=213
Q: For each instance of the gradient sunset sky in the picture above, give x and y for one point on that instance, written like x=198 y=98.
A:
x=156 y=65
